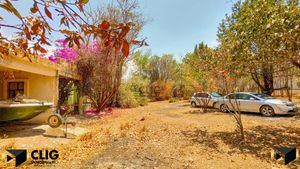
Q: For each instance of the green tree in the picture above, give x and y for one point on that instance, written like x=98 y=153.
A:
x=199 y=67
x=141 y=62
x=261 y=36
x=161 y=68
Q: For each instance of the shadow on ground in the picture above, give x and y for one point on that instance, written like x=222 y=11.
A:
x=276 y=116
x=211 y=110
x=201 y=111
x=259 y=141
x=19 y=129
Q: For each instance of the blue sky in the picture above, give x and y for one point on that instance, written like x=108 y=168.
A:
x=178 y=25
x=174 y=26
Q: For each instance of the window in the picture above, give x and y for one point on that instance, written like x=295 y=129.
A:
x=244 y=96
x=240 y=96
x=205 y=95
x=232 y=96
x=263 y=96
x=15 y=88
x=215 y=94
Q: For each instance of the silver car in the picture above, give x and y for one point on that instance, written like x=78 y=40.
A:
x=202 y=98
x=255 y=102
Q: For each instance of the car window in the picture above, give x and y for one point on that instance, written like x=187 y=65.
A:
x=253 y=98
x=214 y=94
x=231 y=96
x=205 y=95
x=244 y=96
x=197 y=95
x=263 y=96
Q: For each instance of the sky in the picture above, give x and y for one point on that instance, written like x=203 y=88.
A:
x=176 y=26
x=173 y=26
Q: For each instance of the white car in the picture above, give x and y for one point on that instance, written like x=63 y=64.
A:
x=202 y=98
x=255 y=102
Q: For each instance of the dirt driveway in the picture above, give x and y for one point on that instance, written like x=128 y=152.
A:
x=174 y=135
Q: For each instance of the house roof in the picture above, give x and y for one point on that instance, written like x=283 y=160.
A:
x=39 y=65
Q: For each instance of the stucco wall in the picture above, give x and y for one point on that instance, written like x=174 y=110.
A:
x=36 y=86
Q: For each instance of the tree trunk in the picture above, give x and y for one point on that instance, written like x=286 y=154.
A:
x=291 y=88
x=242 y=132
x=119 y=74
x=266 y=77
x=268 y=80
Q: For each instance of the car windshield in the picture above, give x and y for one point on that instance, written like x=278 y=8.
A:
x=214 y=94
x=263 y=96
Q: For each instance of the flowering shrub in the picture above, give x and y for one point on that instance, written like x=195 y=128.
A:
x=71 y=54
x=100 y=66
x=53 y=58
x=64 y=52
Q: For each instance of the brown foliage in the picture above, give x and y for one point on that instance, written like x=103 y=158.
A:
x=161 y=90
x=99 y=70
x=36 y=27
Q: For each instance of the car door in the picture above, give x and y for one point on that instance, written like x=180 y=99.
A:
x=231 y=101
x=203 y=99
x=248 y=103
x=196 y=98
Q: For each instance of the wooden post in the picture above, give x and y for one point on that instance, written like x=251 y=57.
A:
x=80 y=104
x=56 y=95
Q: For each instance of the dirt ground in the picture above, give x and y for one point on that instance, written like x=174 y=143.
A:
x=169 y=135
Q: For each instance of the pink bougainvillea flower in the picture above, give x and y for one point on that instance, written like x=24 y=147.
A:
x=64 y=51
x=53 y=59
x=68 y=54
x=90 y=113
x=61 y=42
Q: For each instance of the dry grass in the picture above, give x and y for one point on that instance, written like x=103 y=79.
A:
x=86 y=137
x=171 y=137
x=125 y=126
x=10 y=145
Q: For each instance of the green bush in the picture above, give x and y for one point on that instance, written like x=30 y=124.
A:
x=143 y=101
x=172 y=100
x=127 y=98
x=133 y=93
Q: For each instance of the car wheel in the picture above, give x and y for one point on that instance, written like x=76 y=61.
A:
x=267 y=111
x=54 y=121
x=193 y=104
x=224 y=108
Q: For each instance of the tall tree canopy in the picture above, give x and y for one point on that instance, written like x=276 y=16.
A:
x=262 y=38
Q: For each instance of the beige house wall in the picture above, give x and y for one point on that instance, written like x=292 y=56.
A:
x=40 y=87
x=40 y=77
x=36 y=86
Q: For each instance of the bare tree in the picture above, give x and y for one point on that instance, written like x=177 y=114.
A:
x=117 y=12
x=99 y=69
x=236 y=112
